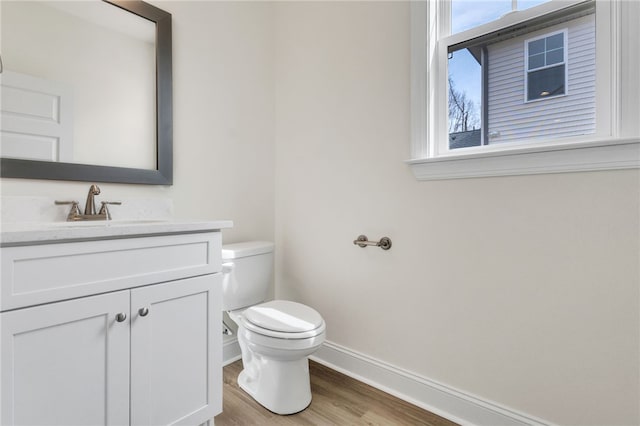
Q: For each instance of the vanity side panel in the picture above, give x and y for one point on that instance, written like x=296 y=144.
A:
x=46 y=273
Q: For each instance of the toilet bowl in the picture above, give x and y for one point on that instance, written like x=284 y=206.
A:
x=275 y=337
x=275 y=364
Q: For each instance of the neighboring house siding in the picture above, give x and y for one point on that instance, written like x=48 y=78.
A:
x=510 y=118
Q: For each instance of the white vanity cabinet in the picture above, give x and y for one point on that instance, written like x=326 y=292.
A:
x=119 y=331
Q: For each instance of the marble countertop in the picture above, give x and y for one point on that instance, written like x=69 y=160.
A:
x=28 y=233
x=27 y=220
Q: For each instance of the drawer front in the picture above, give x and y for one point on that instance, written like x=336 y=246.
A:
x=45 y=273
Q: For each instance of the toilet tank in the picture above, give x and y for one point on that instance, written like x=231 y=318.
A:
x=246 y=273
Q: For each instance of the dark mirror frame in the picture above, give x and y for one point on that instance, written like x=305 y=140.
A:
x=163 y=175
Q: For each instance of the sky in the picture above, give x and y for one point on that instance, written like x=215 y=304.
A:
x=466 y=14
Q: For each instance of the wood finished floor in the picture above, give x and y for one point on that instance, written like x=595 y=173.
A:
x=337 y=400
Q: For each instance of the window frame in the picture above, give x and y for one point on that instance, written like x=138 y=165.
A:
x=614 y=145
x=565 y=56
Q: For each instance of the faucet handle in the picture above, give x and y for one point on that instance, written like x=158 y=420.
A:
x=104 y=210
x=75 y=209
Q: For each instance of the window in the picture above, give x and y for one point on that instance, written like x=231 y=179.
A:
x=540 y=86
x=546 y=75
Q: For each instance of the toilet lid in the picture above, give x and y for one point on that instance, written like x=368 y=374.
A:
x=283 y=316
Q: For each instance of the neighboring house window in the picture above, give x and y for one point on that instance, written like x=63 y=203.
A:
x=520 y=84
x=546 y=75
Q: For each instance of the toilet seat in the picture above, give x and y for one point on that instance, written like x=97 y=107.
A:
x=283 y=319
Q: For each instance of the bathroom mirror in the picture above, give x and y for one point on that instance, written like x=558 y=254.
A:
x=86 y=91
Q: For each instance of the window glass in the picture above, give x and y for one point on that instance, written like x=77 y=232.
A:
x=466 y=14
x=555 y=41
x=546 y=82
x=555 y=56
x=465 y=89
x=536 y=61
x=536 y=46
x=519 y=88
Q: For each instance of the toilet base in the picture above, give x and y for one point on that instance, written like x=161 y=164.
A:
x=282 y=387
x=276 y=370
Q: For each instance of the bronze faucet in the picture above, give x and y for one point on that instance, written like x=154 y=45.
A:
x=89 y=207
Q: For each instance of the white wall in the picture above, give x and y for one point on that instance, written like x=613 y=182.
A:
x=223 y=122
x=521 y=290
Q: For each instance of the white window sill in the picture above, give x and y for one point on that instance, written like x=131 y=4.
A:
x=600 y=155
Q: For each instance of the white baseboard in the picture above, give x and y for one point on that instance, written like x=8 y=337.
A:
x=230 y=351
x=440 y=399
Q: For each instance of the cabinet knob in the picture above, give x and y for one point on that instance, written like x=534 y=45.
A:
x=143 y=312
x=121 y=317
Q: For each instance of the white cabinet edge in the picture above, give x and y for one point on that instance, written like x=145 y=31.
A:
x=59 y=232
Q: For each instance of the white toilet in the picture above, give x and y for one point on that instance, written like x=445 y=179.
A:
x=275 y=337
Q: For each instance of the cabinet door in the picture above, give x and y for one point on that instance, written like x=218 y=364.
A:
x=66 y=363
x=176 y=352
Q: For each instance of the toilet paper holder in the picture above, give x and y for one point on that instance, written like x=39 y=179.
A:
x=363 y=241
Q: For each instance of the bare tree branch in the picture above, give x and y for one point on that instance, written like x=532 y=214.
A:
x=462 y=112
